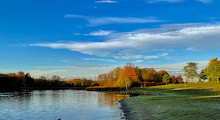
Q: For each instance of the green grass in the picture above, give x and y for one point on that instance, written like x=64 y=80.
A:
x=205 y=85
x=169 y=103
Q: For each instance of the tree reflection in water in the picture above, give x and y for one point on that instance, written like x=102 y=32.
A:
x=110 y=99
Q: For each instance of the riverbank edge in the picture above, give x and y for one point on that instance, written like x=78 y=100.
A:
x=125 y=107
x=155 y=91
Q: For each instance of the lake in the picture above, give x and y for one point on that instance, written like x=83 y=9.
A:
x=64 y=104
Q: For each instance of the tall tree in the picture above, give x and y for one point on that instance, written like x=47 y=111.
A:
x=124 y=81
x=166 y=78
x=179 y=79
x=174 y=80
x=21 y=74
x=152 y=76
x=161 y=73
x=130 y=71
x=190 y=71
x=212 y=71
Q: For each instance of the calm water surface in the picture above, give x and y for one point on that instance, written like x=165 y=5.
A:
x=65 y=104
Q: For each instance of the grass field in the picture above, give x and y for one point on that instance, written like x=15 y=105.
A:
x=195 y=101
x=205 y=85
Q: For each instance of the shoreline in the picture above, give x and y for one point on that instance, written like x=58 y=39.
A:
x=171 y=103
x=40 y=88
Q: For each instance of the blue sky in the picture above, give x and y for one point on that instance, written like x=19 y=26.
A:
x=83 y=38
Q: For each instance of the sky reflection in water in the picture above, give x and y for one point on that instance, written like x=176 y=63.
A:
x=65 y=104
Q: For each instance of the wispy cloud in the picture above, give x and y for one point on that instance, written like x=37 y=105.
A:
x=101 y=33
x=96 y=21
x=151 y=57
x=99 y=59
x=164 y=54
x=205 y=37
x=138 y=61
x=97 y=33
x=106 y=1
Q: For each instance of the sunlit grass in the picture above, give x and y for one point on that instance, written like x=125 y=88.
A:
x=176 y=101
x=205 y=85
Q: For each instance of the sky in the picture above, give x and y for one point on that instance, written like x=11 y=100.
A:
x=84 y=38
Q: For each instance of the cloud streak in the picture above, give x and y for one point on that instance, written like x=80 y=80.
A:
x=96 y=21
x=206 y=37
x=99 y=59
x=106 y=1
x=101 y=33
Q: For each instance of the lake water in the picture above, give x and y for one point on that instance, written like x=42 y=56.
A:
x=64 y=104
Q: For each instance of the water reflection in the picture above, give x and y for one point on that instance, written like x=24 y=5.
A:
x=110 y=99
x=65 y=104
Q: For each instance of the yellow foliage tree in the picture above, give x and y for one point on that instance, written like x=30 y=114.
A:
x=123 y=81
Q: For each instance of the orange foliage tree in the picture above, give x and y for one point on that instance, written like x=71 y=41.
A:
x=130 y=71
x=151 y=76
x=21 y=74
x=162 y=73
x=14 y=75
x=179 y=79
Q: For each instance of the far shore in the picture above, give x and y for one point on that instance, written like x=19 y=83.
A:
x=42 y=88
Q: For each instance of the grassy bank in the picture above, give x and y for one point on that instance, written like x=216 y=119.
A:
x=172 y=102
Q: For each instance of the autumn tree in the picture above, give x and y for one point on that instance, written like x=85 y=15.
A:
x=190 y=71
x=212 y=71
x=166 y=78
x=162 y=73
x=109 y=79
x=179 y=79
x=21 y=74
x=124 y=81
x=130 y=71
x=152 y=76
x=128 y=75
x=144 y=74
x=13 y=75
x=173 y=79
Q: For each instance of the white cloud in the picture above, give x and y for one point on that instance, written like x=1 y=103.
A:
x=138 y=61
x=101 y=33
x=99 y=59
x=206 y=37
x=127 y=56
x=151 y=57
x=164 y=54
x=106 y=1
x=96 y=21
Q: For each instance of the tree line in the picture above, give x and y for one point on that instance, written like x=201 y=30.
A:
x=21 y=80
x=133 y=76
x=122 y=77
x=211 y=72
